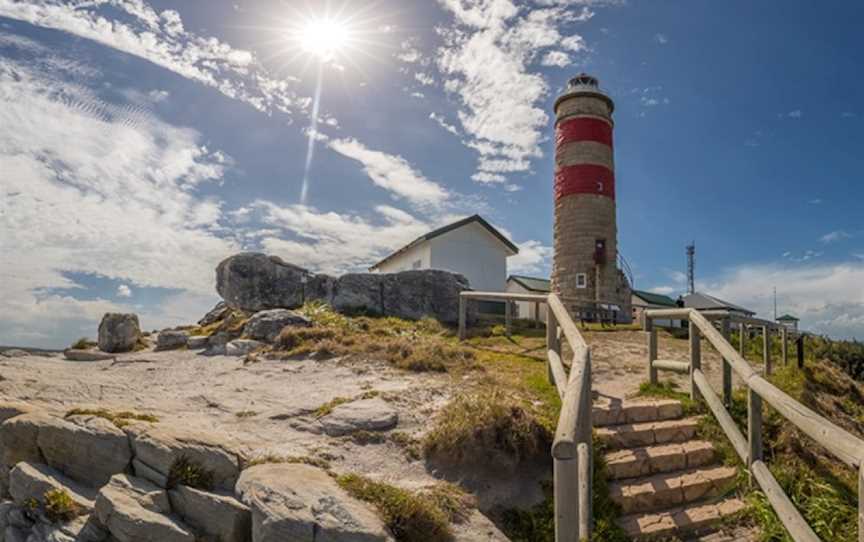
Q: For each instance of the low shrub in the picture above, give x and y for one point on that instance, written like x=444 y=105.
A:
x=483 y=426
x=187 y=472
x=59 y=506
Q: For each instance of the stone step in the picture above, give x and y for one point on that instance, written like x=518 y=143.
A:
x=679 y=520
x=645 y=461
x=617 y=412
x=648 y=433
x=661 y=491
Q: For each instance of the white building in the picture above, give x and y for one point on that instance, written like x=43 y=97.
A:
x=529 y=285
x=471 y=247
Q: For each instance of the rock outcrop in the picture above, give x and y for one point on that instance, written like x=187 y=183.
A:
x=134 y=510
x=300 y=502
x=256 y=282
x=216 y=313
x=170 y=339
x=118 y=332
x=365 y=415
x=266 y=325
x=73 y=354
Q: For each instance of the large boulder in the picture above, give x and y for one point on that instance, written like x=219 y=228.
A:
x=359 y=293
x=158 y=448
x=119 y=332
x=365 y=415
x=266 y=325
x=219 y=515
x=134 y=510
x=304 y=504
x=255 y=282
x=421 y=293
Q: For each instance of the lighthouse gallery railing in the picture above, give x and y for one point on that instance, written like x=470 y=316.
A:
x=572 y=451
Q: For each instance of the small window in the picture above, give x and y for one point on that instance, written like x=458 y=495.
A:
x=416 y=264
x=581 y=280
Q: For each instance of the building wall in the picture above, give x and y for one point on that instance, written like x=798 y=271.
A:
x=407 y=260
x=474 y=252
x=525 y=309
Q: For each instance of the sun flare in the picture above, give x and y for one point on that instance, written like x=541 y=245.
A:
x=324 y=38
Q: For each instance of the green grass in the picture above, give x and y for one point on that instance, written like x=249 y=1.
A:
x=670 y=390
x=59 y=506
x=83 y=344
x=421 y=516
x=120 y=418
x=187 y=472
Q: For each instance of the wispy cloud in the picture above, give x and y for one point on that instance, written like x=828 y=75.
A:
x=834 y=236
x=124 y=291
x=662 y=39
x=795 y=114
x=815 y=201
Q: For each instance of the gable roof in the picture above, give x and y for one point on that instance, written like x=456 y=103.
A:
x=787 y=318
x=700 y=301
x=450 y=227
x=532 y=283
x=655 y=299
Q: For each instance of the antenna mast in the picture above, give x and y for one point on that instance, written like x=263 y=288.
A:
x=691 y=268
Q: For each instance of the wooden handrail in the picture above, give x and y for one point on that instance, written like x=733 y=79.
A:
x=838 y=441
x=574 y=338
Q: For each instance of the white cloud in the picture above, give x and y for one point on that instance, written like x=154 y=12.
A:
x=663 y=290
x=815 y=201
x=488 y=178
x=424 y=79
x=828 y=298
x=662 y=39
x=556 y=58
x=534 y=258
x=834 y=236
x=161 y=39
x=124 y=291
x=796 y=114
x=442 y=122
x=93 y=187
x=392 y=173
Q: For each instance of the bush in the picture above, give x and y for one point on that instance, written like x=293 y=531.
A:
x=187 y=472
x=484 y=426
x=59 y=506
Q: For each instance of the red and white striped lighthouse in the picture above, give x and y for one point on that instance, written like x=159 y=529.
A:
x=585 y=268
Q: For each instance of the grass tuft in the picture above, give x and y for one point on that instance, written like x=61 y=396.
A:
x=120 y=419
x=84 y=344
x=302 y=459
x=59 y=506
x=187 y=472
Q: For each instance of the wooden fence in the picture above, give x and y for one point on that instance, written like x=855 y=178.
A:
x=842 y=444
x=572 y=450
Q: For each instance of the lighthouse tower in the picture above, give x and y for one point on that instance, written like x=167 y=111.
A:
x=585 y=269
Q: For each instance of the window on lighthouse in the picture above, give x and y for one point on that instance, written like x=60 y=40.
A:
x=581 y=280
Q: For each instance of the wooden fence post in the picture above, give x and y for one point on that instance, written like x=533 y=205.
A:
x=741 y=340
x=784 y=337
x=536 y=314
x=800 y=351
x=651 y=334
x=566 y=473
x=861 y=503
x=727 y=369
x=766 y=349
x=754 y=430
x=508 y=318
x=463 y=309
x=552 y=341
x=695 y=358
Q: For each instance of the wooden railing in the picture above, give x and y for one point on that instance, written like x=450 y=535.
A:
x=836 y=440
x=572 y=448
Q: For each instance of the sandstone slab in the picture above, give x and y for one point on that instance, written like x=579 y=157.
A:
x=89 y=449
x=366 y=415
x=133 y=510
x=32 y=480
x=73 y=354
x=219 y=515
x=304 y=504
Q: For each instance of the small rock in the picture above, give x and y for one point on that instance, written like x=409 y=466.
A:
x=119 y=332
x=170 y=339
x=241 y=347
x=218 y=515
x=303 y=503
x=365 y=415
x=266 y=325
x=216 y=313
x=86 y=355
x=32 y=480
x=197 y=342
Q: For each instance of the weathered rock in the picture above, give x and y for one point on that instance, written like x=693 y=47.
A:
x=241 y=347
x=14 y=353
x=73 y=354
x=148 y=473
x=304 y=504
x=216 y=343
x=359 y=293
x=266 y=325
x=86 y=448
x=14 y=534
x=170 y=339
x=10 y=409
x=197 y=342
x=429 y=292
x=70 y=531
x=159 y=447
x=18 y=438
x=365 y=415
x=118 y=332
x=216 y=313
x=133 y=510
x=219 y=515
x=256 y=282
x=319 y=288
x=32 y=480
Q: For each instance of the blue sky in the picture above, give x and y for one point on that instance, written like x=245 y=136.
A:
x=141 y=142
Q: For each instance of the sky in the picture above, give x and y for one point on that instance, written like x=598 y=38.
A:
x=143 y=141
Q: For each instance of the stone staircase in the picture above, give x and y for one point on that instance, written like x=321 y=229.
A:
x=666 y=481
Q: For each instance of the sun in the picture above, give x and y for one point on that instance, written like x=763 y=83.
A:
x=324 y=38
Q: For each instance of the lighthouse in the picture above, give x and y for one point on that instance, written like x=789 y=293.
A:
x=585 y=272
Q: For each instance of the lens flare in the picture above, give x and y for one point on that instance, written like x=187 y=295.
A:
x=324 y=38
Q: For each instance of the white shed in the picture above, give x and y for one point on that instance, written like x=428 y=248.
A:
x=520 y=284
x=470 y=246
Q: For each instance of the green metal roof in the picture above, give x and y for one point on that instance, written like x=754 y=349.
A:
x=655 y=299
x=532 y=283
x=787 y=318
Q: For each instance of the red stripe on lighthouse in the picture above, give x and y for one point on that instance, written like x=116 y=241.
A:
x=583 y=129
x=584 y=179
